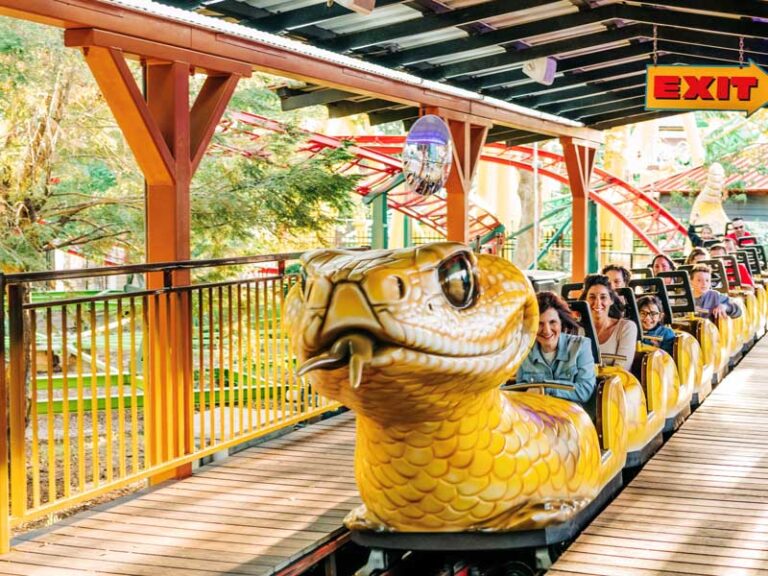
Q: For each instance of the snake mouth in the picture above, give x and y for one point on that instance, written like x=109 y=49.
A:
x=355 y=350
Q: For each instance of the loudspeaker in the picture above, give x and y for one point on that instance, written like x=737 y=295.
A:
x=542 y=70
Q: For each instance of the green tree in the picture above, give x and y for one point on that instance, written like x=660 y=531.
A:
x=69 y=181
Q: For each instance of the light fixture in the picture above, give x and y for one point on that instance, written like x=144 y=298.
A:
x=542 y=70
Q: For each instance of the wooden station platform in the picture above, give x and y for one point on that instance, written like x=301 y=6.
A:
x=700 y=506
x=253 y=513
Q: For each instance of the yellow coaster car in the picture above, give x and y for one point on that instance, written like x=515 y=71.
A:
x=417 y=342
x=645 y=390
x=714 y=346
x=694 y=382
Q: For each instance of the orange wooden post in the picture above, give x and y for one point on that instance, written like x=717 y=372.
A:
x=579 y=161
x=168 y=140
x=468 y=134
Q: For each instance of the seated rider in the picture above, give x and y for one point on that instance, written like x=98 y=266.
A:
x=745 y=275
x=662 y=263
x=616 y=336
x=703 y=235
x=738 y=229
x=557 y=355
x=655 y=333
x=697 y=255
x=618 y=275
x=714 y=304
x=745 y=278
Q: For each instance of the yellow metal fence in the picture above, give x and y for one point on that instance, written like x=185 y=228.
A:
x=104 y=391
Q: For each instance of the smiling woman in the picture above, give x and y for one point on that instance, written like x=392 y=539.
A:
x=616 y=336
x=558 y=356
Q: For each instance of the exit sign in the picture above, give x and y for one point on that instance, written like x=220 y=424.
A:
x=706 y=88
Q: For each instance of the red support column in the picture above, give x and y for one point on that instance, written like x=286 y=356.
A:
x=168 y=140
x=579 y=161
x=168 y=239
x=468 y=134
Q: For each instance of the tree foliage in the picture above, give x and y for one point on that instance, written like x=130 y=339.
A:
x=69 y=181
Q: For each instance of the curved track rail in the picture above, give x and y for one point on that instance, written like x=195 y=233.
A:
x=380 y=172
x=373 y=158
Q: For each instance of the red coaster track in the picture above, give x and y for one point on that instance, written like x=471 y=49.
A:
x=382 y=172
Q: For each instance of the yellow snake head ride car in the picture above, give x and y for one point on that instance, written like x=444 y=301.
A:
x=417 y=342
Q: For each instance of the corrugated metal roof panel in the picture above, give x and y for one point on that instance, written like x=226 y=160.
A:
x=565 y=33
x=430 y=38
x=279 y=5
x=532 y=14
x=238 y=30
x=456 y=4
x=385 y=15
x=460 y=56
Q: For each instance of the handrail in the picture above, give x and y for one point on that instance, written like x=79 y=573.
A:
x=113 y=388
x=102 y=271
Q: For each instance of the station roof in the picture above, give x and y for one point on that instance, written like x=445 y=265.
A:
x=601 y=48
x=746 y=173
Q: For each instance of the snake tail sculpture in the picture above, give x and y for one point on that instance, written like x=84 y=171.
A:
x=417 y=341
x=708 y=206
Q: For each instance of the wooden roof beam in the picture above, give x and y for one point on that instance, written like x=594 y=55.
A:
x=500 y=36
x=594 y=99
x=606 y=73
x=347 y=108
x=622 y=104
x=238 y=10
x=504 y=135
x=299 y=99
x=570 y=63
x=672 y=18
x=638 y=115
x=525 y=138
x=273 y=58
x=137 y=48
x=429 y=23
x=387 y=116
x=309 y=15
x=479 y=65
x=607 y=57
x=625 y=113
x=585 y=90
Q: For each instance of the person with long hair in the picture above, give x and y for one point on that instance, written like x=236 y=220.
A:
x=559 y=355
x=662 y=263
x=616 y=335
x=697 y=255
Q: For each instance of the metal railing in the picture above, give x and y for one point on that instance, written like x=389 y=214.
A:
x=104 y=391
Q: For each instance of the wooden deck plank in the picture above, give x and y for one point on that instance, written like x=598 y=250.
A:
x=251 y=515
x=699 y=507
x=245 y=563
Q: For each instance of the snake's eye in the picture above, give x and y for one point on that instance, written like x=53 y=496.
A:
x=457 y=279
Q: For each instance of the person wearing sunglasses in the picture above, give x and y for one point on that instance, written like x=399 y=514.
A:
x=738 y=229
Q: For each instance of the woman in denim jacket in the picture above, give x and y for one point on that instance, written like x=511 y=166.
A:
x=557 y=355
